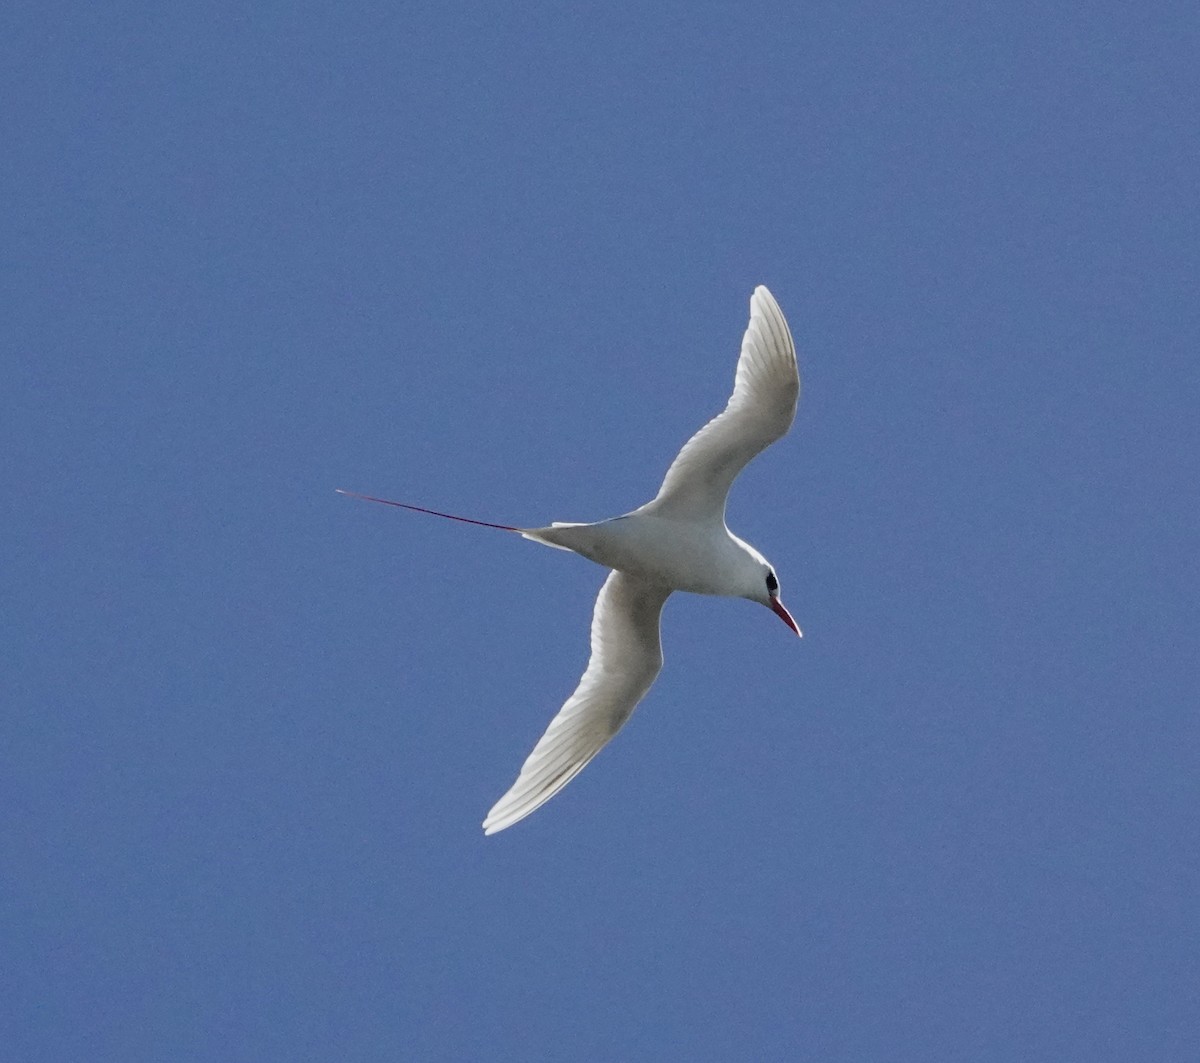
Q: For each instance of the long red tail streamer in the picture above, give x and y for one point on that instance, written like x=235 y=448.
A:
x=422 y=509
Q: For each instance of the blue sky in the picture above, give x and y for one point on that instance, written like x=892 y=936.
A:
x=496 y=259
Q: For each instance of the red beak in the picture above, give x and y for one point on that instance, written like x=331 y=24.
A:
x=778 y=609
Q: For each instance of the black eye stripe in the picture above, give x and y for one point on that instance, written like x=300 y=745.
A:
x=772 y=582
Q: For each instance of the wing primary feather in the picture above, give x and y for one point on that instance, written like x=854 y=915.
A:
x=626 y=659
x=766 y=388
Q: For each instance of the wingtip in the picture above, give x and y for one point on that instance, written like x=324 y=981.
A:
x=762 y=292
x=497 y=820
x=492 y=826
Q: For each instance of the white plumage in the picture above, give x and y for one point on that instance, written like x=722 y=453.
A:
x=678 y=541
x=626 y=659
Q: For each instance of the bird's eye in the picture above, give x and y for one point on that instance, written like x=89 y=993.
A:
x=772 y=582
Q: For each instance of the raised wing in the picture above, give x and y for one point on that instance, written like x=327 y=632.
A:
x=760 y=411
x=626 y=658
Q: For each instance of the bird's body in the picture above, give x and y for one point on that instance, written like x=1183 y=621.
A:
x=676 y=542
x=677 y=554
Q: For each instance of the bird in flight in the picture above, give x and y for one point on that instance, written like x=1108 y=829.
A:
x=678 y=541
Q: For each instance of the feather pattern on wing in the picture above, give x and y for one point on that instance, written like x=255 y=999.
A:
x=626 y=658
x=765 y=391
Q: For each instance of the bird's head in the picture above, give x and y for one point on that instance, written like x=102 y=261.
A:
x=769 y=596
x=760 y=584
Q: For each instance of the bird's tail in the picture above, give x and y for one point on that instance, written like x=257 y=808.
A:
x=431 y=512
x=557 y=535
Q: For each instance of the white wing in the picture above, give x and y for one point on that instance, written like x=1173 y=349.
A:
x=760 y=411
x=626 y=658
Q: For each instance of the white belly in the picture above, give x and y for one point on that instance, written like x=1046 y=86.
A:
x=681 y=555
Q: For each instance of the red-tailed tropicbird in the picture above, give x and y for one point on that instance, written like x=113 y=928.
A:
x=676 y=542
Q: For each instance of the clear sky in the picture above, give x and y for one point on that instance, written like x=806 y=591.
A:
x=496 y=259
